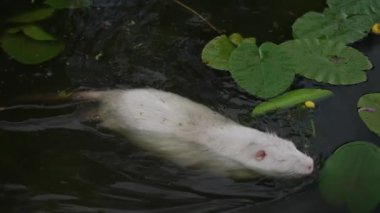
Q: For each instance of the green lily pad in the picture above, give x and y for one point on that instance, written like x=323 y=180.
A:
x=264 y=72
x=332 y=25
x=290 y=99
x=29 y=51
x=328 y=61
x=70 y=4
x=32 y=16
x=217 y=52
x=33 y=32
x=369 y=111
x=351 y=177
x=352 y=7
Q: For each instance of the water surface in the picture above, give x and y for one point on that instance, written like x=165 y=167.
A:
x=51 y=162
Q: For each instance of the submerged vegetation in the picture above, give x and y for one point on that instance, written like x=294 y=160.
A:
x=28 y=43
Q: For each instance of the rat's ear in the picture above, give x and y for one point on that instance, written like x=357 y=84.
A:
x=260 y=155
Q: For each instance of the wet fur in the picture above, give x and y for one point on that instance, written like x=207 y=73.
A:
x=183 y=131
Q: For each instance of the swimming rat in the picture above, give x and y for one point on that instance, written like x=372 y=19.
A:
x=191 y=134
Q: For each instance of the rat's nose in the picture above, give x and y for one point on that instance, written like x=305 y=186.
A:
x=310 y=167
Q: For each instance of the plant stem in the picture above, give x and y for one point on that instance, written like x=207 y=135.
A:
x=198 y=15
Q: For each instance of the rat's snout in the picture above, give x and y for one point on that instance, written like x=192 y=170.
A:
x=309 y=166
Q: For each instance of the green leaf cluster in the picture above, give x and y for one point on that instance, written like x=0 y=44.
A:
x=319 y=52
x=28 y=43
x=345 y=20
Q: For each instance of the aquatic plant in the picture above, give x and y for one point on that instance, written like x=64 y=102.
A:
x=332 y=25
x=369 y=111
x=290 y=99
x=327 y=61
x=28 y=43
x=319 y=51
x=264 y=71
x=351 y=175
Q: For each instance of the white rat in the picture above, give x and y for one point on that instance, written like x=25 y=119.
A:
x=191 y=134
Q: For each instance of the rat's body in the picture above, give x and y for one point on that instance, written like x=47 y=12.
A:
x=193 y=135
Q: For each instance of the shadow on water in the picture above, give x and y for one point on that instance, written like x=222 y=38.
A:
x=50 y=161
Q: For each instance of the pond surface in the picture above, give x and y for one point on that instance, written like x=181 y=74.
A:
x=50 y=162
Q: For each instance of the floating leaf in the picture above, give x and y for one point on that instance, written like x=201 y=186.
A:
x=264 y=72
x=237 y=39
x=217 y=52
x=336 y=26
x=28 y=51
x=351 y=176
x=37 y=33
x=32 y=16
x=13 y=30
x=71 y=4
x=290 y=99
x=352 y=7
x=369 y=111
x=33 y=32
x=328 y=61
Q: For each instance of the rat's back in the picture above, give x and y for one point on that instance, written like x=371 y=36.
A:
x=170 y=125
x=154 y=111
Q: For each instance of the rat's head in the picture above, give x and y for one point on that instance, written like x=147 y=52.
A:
x=276 y=157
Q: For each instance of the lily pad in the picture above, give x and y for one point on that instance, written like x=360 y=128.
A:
x=29 y=51
x=290 y=99
x=369 y=111
x=264 y=72
x=351 y=177
x=352 y=7
x=70 y=4
x=217 y=52
x=328 y=61
x=32 y=16
x=332 y=25
x=33 y=32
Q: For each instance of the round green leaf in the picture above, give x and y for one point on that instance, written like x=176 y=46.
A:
x=328 y=61
x=29 y=51
x=217 y=52
x=351 y=176
x=32 y=16
x=290 y=99
x=71 y=4
x=264 y=72
x=336 y=26
x=369 y=111
x=351 y=7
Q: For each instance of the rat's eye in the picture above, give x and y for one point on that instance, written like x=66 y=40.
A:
x=260 y=155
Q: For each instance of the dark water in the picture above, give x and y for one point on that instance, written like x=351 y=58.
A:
x=50 y=162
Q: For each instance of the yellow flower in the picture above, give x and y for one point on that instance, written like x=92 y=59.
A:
x=376 y=28
x=310 y=104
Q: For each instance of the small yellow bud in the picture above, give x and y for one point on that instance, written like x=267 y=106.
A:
x=310 y=104
x=376 y=28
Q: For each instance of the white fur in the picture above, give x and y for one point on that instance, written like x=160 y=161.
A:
x=193 y=135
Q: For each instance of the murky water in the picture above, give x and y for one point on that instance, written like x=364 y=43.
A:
x=50 y=162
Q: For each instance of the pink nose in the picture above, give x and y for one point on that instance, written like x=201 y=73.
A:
x=310 y=167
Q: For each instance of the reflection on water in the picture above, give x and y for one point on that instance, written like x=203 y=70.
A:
x=51 y=162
